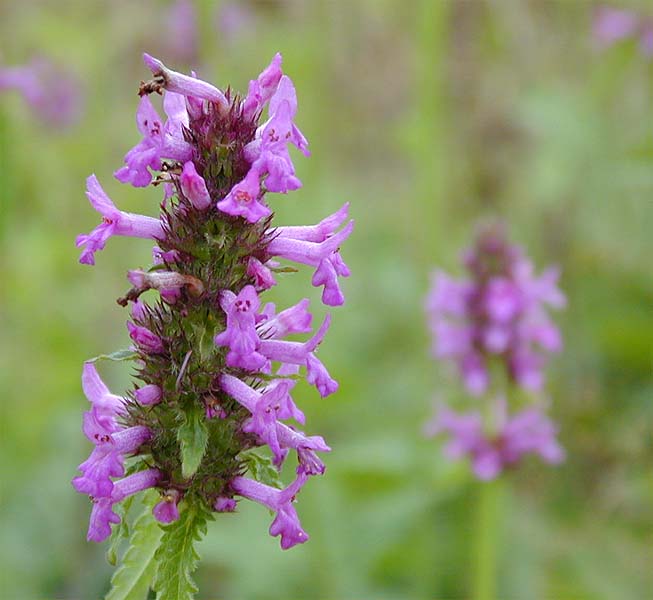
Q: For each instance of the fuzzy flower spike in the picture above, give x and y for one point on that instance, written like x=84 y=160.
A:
x=499 y=312
x=210 y=418
x=495 y=324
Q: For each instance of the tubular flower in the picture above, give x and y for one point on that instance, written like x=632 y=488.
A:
x=215 y=370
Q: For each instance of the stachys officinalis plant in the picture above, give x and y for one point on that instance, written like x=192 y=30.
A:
x=214 y=370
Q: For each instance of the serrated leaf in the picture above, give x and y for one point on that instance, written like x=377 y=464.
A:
x=261 y=468
x=121 y=531
x=192 y=437
x=177 y=557
x=138 y=566
x=118 y=355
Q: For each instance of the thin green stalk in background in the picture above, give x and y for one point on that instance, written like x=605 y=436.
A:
x=487 y=540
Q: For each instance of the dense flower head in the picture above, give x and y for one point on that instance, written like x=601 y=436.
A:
x=213 y=360
x=498 y=313
x=495 y=326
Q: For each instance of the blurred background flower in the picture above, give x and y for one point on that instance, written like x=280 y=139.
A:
x=425 y=116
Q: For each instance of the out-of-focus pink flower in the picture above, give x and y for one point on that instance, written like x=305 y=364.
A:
x=53 y=93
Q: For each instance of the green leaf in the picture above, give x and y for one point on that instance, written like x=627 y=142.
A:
x=121 y=531
x=177 y=557
x=132 y=579
x=118 y=355
x=261 y=467
x=192 y=436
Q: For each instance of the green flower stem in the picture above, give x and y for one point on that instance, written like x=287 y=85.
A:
x=487 y=540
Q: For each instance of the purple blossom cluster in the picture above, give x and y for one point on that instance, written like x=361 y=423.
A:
x=613 y=25
x=53 y=94
x=207 y=346
x=528 y=431
x=494 y=325
x=498 y=312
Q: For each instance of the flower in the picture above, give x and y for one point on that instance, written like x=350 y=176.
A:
x=499 y=313
x=112 y=443
x=261 y=89
x=102 y=515
x=215 y=367
x=286 y=522
x=243 y=199
x=159 y=140
x=527 y=432
x=194 y=187
x=497 y=316
x=612 y=25
x=53 y=93
x=166 y=511
x=323 y=255
x=114 y=222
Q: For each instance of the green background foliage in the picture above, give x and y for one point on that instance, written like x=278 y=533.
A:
x=426 y=115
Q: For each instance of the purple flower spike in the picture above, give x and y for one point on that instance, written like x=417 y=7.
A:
x=243 y=199
x=214 y=364
x=497 y=316
x=498 y=313
x=114 y=222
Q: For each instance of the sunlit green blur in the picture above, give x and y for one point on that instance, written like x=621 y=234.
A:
x=426 y=115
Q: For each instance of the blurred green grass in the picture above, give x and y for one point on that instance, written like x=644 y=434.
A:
x=426 y=116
